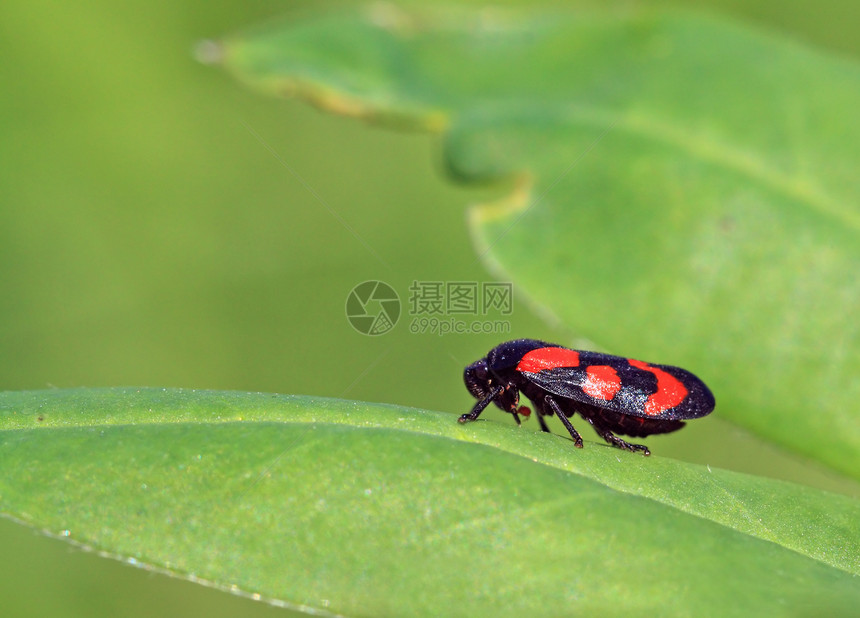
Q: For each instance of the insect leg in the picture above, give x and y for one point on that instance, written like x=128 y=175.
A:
x=577 y=439
x=542 y=422
x=479 y=407
x=616 y=441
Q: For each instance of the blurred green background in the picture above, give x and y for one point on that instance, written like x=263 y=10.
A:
x=149 y=236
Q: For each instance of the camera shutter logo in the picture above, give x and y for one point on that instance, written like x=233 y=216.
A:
x=373 y=308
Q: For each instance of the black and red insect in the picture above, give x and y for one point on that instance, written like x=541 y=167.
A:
x=616 y=395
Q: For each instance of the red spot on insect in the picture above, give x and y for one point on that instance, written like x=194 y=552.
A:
x=525 y=411
x=670 y=390
x=548 y=358
x=601 y=382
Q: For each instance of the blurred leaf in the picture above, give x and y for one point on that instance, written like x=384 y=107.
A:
x=686 y=189
x=365 y=509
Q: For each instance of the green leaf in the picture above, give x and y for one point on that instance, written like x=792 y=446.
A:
x=365 y=509
x=685 y=189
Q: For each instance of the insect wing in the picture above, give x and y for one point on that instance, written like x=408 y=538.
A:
x=572 y=382
x=626 y=386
